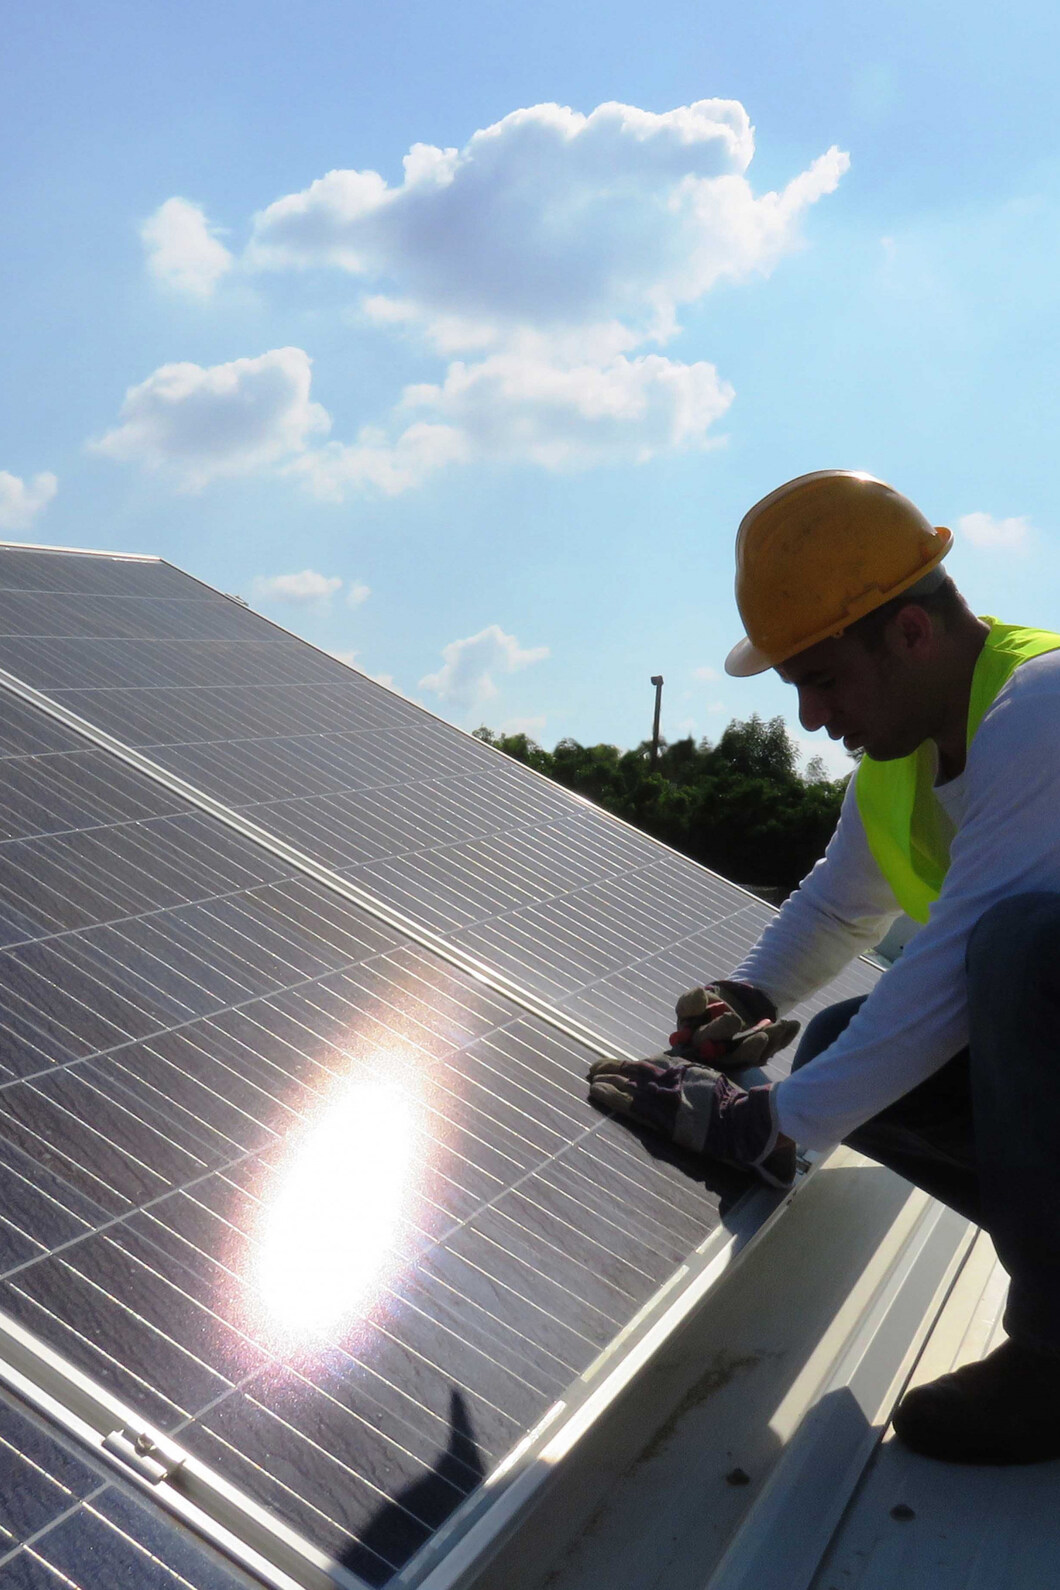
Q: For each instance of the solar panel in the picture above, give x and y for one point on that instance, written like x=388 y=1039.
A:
x=296 y=1164
x=63 y=1524
x=546 y=889
x=317 y=1204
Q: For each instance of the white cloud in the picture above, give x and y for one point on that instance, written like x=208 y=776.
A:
x=347 y=657
x=548 y=251
x=519 y=409
x=466 y=678
x=385 y=679
x=550 y=218
x=373 y=462
x=306 y=587
x=706 y=674
x=21 y=501
x=357 y=593
x=983 y=530
x=182 y=251
x=228 y=419
x=836 y=761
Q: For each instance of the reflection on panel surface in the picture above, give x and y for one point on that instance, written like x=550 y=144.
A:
x=545 y=888
x=332 y=1213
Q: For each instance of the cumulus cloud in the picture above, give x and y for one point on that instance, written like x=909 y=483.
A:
x=518 y=409
x=357 y=593
x=347 y=657
x=466 y=678
x=541 y=259
x=182 y=250
x=706 y=674
x=377 y=462
x=228 y=419
x=551 y=218
x=22 y=500
x=1005 y=535
x=306 y=588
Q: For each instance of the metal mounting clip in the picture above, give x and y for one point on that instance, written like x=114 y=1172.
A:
x=139 y=1451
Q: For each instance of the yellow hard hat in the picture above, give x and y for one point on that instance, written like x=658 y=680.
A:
x=820 y=552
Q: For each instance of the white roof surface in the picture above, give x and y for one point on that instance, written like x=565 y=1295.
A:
x=862 y=1287
x=973 y=1528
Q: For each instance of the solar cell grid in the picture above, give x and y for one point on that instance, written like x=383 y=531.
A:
x=41 y=569
x=324 y=1207
x=62 y=1524
x=548 y=889
x=146 y=618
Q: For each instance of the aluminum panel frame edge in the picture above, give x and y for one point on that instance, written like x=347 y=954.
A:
x=42 y=1382
x=462 y=1549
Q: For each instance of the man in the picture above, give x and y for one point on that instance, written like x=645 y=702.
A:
x=949 y=1071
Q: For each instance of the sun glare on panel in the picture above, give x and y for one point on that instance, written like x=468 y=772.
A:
x=331 y=1216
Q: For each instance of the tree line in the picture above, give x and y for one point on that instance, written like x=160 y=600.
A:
x=741 y=807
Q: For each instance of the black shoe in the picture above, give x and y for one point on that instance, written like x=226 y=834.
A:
x=1003 y=1409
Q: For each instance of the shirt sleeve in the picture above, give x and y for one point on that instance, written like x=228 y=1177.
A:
x=915 y=1019
x=841 y=909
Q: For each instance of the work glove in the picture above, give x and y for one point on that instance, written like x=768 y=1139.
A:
x=699 y=1109
x=730 y=1025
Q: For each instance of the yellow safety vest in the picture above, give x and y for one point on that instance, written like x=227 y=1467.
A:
x=904 y=823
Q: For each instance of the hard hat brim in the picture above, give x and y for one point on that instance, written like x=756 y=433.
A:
x=746 y=659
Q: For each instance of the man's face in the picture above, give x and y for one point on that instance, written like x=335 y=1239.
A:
x=872 y=700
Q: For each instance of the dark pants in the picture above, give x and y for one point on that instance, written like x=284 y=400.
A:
x=983 y=1133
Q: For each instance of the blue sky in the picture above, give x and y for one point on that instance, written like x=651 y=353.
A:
x=486 y=421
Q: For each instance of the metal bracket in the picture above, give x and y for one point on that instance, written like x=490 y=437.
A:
x=141 y=1453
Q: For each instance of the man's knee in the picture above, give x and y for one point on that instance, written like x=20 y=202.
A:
x=1015 y=938
x=823 y=1029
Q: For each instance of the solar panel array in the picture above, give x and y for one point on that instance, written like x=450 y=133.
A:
x=197 y=1049
x=571 y=904
x=325 y=1207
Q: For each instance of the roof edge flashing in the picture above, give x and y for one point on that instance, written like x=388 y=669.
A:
x=85 y=552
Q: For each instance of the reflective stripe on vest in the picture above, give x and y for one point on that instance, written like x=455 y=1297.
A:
x=904 y=823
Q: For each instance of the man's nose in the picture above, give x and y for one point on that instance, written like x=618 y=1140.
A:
x=813 y=710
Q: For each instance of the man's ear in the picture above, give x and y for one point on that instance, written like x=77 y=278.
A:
x=912 y=632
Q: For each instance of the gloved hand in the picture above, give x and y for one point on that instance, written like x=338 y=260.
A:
x=730 y=1025
x=698 y=1108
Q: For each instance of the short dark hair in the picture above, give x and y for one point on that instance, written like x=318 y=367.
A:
x=945 y=603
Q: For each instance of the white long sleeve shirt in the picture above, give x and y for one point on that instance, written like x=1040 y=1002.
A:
x=1005 y=813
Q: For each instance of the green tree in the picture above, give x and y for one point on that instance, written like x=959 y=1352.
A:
x=761 y=750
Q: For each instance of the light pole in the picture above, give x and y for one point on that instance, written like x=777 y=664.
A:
x=657 y=681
